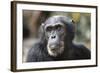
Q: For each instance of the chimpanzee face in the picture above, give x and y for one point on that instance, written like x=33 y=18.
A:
x=55 y=33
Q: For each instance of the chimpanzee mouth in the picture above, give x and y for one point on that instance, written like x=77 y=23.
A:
x=55 y=49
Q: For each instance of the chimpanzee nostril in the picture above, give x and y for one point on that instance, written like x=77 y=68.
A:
x=53 y=37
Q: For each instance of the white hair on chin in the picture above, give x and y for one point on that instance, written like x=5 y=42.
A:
x=57 y=52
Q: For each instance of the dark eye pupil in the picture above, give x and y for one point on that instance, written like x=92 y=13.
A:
x=49 y=28
x=58 y=27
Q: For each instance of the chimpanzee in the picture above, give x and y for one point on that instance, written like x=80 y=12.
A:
x=56 y=42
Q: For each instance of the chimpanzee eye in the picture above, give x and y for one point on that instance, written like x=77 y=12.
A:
x=49 y=29
x=58 y=27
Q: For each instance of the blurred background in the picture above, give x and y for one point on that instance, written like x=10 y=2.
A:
x=33 y=19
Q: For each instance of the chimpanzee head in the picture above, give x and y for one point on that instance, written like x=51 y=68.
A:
x=58 y=31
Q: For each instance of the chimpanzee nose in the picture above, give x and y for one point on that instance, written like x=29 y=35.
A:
x=53 y=37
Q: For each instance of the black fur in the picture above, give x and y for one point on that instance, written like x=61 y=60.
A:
x=72 y=52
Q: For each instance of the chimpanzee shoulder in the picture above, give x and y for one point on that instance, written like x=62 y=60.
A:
x=79 y=52
x=38 y=53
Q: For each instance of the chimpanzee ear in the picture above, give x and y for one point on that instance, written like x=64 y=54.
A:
x=71 y=29
x=73 y=23
x=41 y=28
x=41 y=31
x=42 y=25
